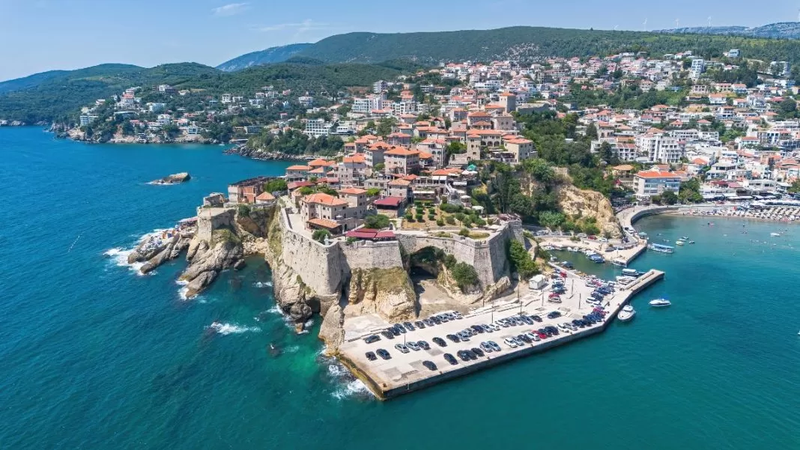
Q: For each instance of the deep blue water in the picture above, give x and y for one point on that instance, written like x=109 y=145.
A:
x=94 y=356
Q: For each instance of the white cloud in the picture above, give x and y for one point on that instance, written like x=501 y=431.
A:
x=231 y=9
x=297 y=27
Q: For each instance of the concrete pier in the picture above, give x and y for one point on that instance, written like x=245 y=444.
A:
x=404 y=373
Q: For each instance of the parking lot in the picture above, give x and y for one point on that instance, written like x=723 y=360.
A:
x=406 y=370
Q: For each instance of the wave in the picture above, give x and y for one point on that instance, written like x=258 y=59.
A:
x=228 y=328
x=347 y=385
x=120 y=258
x=262 y=284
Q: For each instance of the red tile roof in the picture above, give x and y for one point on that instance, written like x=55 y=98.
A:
x=324 y=199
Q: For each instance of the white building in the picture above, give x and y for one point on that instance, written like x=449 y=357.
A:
x=317 y=127
x=86 y=119
x=650 y=183
x=659 y=148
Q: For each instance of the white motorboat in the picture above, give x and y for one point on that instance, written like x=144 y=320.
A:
x=775 y=234
x=680 y=242
x=660 y=303
x=627 y=313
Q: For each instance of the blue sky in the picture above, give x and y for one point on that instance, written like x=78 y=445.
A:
x=39 y=35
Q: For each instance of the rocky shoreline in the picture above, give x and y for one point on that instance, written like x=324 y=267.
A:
x=243 y=150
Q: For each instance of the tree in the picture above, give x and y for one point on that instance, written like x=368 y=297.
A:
x=373 y=192
x=520 y=260
x=385 y=126
x=591 y=132
x=669 y=198
x=540 y=169
x=795 y=187
x=455 y=148
x=379 y=167
x=321 y=235
x=464 y=275
x=377 y=222
x=276 y=185
x=551 y=219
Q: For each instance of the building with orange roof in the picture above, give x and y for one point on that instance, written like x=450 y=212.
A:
x=401 y=160
x=325 y=211
x=297 y=172
x=648 y=183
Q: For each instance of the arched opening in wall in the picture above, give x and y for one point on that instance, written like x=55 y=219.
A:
x=426 y=267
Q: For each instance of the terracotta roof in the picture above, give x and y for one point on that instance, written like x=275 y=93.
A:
x=353 y=191
x=265 y=196
x=324 y=199
x=400 y=151
x=354 y=159
x=324 y=223
x=624 y=167
x=653 y=174
x=393 y=202
x=404 y=183
x=320 y=163
x=298 y=168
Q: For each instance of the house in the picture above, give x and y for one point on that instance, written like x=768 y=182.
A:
x=401 y=160
x=399 y=188
x=246 y=191
x=389 y=206
x=322 y=211
x=624 y=174
x=265 y=199
x=297 y=172
x=654 y=182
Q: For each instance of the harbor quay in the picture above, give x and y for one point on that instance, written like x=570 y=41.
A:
x=405 y=372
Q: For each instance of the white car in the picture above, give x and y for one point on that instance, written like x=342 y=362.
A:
x=401 y=347
x=509 y=342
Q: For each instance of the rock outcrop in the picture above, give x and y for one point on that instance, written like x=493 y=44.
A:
x=209 y=259
x=386 y=292
x=583 y=203
x=175 y=178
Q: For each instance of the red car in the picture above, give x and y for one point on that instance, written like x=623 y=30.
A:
x=541 y=335
x=554 y=295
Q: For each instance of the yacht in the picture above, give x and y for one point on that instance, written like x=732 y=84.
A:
x=680 y=242
x=630 y=272
x=619 y=262
x=661 y=248
x=660 y=303
x=627 y=313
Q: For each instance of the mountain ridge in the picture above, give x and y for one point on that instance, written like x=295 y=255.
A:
x=260 y=57
x=778 y=30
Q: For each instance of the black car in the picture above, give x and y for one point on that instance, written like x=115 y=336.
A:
x=453 y=338
x=439 y=341
x=394 y=331
x=424 y=345
x=436 y=320
x=408 y=326
x=387 y=334
x=524 y=338
x=383 y=353
x=554 y=315
x=536 y=318
x=428 y=322
x=463 y=355
x=371 y=339
x=449 y=358
x=477 y=328
x=527 y=320
x=371 y=356
x=419 y=324
x=400 y=328
x=429 y=364
x=477 y=351
x=470 y=355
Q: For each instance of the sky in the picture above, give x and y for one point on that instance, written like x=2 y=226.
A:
x=40 y=35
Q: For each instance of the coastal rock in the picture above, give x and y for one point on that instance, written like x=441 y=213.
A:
x=239 y=265
x=498 y=289
x=222 y=253
x=386 y=292
x=175 y=178
x=300 y=312
x=584 y=203
x=331 y=331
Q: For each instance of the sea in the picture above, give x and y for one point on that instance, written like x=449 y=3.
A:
x=94 y=356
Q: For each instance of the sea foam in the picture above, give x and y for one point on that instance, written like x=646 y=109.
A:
x=229 y=328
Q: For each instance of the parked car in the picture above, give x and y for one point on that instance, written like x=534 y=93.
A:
x=487 y=347
x=536 y=318
x=423 y=345
x=478 y=352
x=387 y=334
x=371 y=356
x=510 y=342
x=401 y=347
x=463 y=355
x=413 y=346
x=372 y=338
x=408 y=326
x=383 y=353
x=450 y=358
x=419 y=324
x=453 y=338
x=494 y=345
x=429 y=364
x=439 y=341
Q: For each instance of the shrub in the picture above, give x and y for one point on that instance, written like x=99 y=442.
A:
x=320 y=235
x=378 y=222
x=460 y=217
x=440 y=222
x=243 y=210
x=464 y=232
x=431 y=216
x=450 y=220
x=464 y=275
x=409 y=217
x=419 y=217
x=276 y=185
x=521 y=261
x=480 y=222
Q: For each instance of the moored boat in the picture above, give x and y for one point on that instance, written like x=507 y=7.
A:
x=627 y=313
x=680 y=242
x=661 y=248
x=619 y=262
x=660 y=303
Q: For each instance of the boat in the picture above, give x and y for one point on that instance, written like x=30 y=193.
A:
x=690 y=242
x=661 y=248
x=625 y=280
x=660 y=303
x=680 y=242
x=684 y=238
x=627 y=313
x=630 y=272
x=619 y=262
x=775 y=234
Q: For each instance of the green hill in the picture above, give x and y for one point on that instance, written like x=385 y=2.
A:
x=63 y=94
x=529 y=42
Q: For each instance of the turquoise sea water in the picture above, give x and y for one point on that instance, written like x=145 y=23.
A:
x=94 y=356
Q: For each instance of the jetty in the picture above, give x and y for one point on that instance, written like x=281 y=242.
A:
x=405 y=372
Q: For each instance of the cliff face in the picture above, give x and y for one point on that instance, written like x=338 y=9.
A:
x=583 y=203
x=208 y=259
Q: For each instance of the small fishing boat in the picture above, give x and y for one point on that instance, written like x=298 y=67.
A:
x=627 y=313
x=680 y=242
x=775 y=234
x=660 y=303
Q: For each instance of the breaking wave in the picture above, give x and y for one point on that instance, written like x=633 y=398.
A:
x=262 y=284
x=228 y=328
x=120 y=258
x=346 y=385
